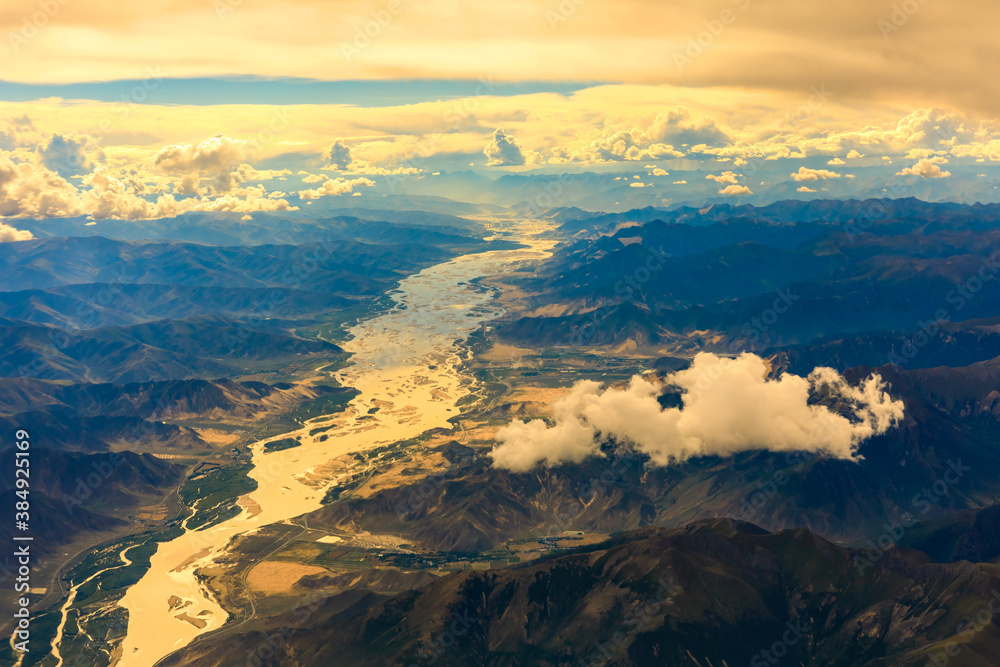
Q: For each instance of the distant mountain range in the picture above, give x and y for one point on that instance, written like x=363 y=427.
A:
x=739 y=278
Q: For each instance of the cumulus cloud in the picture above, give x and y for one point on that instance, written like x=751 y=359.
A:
x=217 y=157
x=724 y=177
x=924 y=128
x=927 y=168
x=505 y=151
x=335 y=186
x=339 y=155
x=19 y=131
x=804 y=188
x=677 y=128
x=8 y=234
x=729 y=406
x=627 y=145
x=216 y=154
x=735 y=190
x=68 y=156
x=836 y=161
x=660 y=172
x=806 y=174
x=667 y=131
x=29 y=189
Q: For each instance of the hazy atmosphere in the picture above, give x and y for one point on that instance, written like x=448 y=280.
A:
x=518 y=334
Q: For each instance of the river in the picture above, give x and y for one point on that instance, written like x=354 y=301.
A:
x=64 y=612
x=406 y=360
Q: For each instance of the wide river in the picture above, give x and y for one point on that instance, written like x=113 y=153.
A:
x=407 y=359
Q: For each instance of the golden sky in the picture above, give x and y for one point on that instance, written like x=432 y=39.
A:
x=918 y=52
x=910 y=86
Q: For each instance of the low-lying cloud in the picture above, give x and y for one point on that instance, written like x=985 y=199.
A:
x=729 y=406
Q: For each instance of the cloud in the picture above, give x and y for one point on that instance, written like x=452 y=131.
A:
x=338 y=155
x=19 y=131
x=336 y=186
x=735 y=190
x=724 y=177
x=217 y=157
x=729 y=406
x=836 y=161
x=68 y=156
x=804 y=188
x=612 y=147
x=504 y=151
x=111 y=197
x=926 y=168
x=806 y=174
x=220 y=158
x=766 y=56
x=636 y=184
x=680 y=182
x=853 y=155
x=8 y=234
x=660 y=172
x=212 y=155
x=313 y=178
x=28 y=189
x=676 y=128
x=668 y=130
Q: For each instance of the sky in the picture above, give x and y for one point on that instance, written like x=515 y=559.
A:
x=129 y=110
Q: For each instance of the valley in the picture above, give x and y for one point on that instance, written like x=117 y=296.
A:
x=334 y=484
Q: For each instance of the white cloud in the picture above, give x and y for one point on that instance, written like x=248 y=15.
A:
x=313 y=178
x=677 y=128
x=68 y=156
x=836 y=161
x=212 y=155
x=668 y=130
x=8 y=234
x=217 y=157
x=926 y=168
x=724 y=177
x=335 y=186
x=729 y=406
x=804 y=188
x=806 y=174
x=28 y=189
x=338 y=155
x=505 y=151
x=735 y=190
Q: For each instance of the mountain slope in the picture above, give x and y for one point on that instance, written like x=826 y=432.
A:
x=650 y=597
